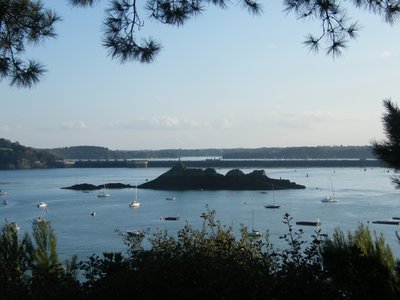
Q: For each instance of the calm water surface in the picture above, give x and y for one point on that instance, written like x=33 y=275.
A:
x=365 y=196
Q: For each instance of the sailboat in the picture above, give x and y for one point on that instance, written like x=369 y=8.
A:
x=273 y=205
x=330 y=198
x=103 y=194
x=135 y=203
x=254 y=233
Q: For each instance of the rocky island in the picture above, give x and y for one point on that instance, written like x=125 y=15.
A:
x=92 y=187
x=181 y=177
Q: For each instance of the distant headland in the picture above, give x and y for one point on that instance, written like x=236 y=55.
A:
x=16 y=156
x=181 y=177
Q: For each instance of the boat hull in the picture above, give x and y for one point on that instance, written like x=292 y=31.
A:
x=387 y=222
x=309 y=223
x=272 y=206
x=170 y=218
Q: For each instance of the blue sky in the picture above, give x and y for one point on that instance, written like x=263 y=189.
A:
x=225 y=79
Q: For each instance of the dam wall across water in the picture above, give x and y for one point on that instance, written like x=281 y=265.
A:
x=220 y=163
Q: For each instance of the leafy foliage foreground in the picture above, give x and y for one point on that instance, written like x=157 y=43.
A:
x=205 y=263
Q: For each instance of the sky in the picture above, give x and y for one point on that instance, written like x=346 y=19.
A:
x=225 y=79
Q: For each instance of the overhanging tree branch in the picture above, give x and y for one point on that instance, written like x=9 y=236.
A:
x=21 y=23
x=25 y=22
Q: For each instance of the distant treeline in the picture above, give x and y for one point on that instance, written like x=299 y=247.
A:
x=319 y=152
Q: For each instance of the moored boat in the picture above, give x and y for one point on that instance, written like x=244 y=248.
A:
x=103 y=195
x=172 y=218
x=330 y=198
x=42 y=205
x=255 y=234
x=273 y=205
x=309 y=223
x=135 y=233
x=135 y=203
x=387 y=222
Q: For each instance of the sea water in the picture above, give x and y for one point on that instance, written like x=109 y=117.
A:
x=364 y=195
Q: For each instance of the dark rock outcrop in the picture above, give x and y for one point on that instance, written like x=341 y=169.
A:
x=181 y=177
x=92 y=187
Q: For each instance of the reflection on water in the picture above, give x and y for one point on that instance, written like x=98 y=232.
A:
x=364 y=196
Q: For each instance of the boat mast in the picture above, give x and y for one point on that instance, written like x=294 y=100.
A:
x=273 y=195
x=331 y=193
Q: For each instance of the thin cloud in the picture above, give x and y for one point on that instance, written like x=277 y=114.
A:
x=74 y=125
x=386 y=54
x=221 y=124
x=161 y=100
x=295 y=120
x=168 y=123
x=5 y=128
x=306 y=119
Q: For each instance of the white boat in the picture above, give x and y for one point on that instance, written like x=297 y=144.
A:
x=135 y=203
x=42 y=205
x=93 y=213
x=273 y=205
x=330 y=198
x=103 y=195
x=254 y=233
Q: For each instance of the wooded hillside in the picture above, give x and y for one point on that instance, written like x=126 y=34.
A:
x=16 y=156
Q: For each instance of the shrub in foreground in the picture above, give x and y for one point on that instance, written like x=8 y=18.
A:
x=205 y=263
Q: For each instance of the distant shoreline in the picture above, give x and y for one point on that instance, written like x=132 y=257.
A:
x=220 y=163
